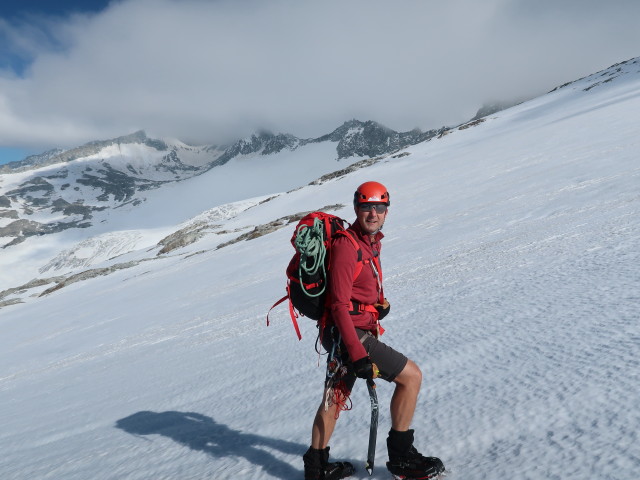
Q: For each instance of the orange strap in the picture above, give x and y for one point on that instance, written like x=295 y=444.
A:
x=361 y=307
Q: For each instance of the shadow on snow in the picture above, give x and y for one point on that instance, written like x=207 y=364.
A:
x=203 y=434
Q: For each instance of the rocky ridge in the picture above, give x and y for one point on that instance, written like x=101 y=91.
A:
x=81 y=182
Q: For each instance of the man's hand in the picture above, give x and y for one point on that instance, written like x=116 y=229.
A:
x=363 y=368
x=383 y=309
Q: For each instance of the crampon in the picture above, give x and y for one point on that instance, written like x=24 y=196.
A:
x=431 y=476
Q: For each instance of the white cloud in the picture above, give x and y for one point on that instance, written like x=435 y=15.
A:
x=206 y=71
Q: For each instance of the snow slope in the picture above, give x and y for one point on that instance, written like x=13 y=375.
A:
x=511 y=262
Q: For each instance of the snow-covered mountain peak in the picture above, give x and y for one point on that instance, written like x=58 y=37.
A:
x=79 y=187
x=620 y=72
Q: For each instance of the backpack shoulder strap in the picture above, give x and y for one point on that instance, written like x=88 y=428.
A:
x=354 y=242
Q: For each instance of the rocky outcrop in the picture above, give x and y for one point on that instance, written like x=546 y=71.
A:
x=8 y=214
x=370 y=139
x=263 y=143
x=34 y=191
x=172 y=163
x=24 y=228
x=22 y=289
x=115 y=183
x=88 y=274
x=274 y=225
x=631 y=66
x=491 y=108
x=32 y=161
x=21 y=229
x=345 y=171
x=183 y=237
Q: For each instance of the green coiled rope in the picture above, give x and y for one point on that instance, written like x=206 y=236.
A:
x=310 y=244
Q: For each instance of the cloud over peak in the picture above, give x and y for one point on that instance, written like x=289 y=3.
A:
x=209 y=71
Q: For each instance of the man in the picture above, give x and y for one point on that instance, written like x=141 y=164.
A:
x=351 y=338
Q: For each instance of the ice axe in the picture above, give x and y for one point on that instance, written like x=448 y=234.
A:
x=373 y=430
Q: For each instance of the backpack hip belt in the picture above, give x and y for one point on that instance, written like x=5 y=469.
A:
x=356 y=308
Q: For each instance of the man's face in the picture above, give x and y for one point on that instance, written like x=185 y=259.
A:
x=368 y=217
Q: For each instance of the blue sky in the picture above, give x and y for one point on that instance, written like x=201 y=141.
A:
x=10 y=154
x=211 y=71
x=49 y=7
x=25 y=11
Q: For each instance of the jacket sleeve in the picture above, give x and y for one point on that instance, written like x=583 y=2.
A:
x=342 y=265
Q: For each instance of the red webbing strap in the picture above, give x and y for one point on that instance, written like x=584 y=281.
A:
x=292 y=312
x=276 y=304
x=294 y=315
x=357 y=271
x=378 y=272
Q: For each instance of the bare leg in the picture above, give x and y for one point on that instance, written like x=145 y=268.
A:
x=405 y=396
x=404 y=459
x=403 y=406
x=323 y=425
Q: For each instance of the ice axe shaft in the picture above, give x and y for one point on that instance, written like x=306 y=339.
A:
x=373 y=430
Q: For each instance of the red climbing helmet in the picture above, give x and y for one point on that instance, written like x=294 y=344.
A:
x=371 y=192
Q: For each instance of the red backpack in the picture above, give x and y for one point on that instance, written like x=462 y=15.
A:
x=307 y=273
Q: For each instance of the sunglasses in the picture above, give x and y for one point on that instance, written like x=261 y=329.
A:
x=378 y=207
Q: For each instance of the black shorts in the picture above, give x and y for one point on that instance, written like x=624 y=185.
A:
x=390 y=362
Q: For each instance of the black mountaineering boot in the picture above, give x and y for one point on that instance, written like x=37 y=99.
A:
x=405 y=462
x=317 y=466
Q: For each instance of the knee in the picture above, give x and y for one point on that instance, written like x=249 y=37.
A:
x=411 y=375
x=416 y=373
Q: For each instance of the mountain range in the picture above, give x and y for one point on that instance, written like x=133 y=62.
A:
x=83 y=181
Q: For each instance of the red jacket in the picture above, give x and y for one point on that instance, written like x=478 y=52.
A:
x=365 y=289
